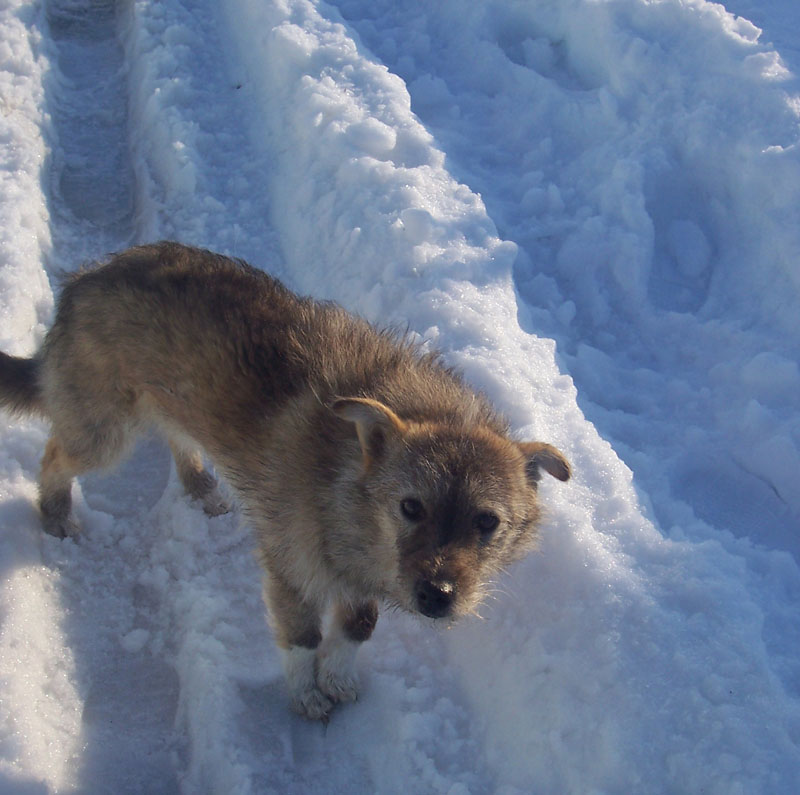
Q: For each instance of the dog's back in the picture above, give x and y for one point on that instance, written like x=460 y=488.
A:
x=175 y=326
x=196 y=331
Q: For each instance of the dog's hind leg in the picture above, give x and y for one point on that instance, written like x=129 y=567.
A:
x=76 y=445
x=72 y=449
x=55 y=489
x=336 y=672
x=197 y=481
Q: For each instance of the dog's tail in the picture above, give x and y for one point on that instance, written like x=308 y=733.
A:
x=19 y=385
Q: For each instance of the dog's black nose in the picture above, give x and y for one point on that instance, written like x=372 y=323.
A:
x=434 y=600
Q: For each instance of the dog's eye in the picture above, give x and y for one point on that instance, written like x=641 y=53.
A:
x=412 y=509
x=486 y=522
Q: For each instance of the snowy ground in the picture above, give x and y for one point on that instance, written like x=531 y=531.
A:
x=593 y=208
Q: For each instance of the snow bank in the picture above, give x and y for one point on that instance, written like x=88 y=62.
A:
x=623 y=148
x=24 y=233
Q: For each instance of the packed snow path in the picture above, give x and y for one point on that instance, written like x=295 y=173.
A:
x=591 y=208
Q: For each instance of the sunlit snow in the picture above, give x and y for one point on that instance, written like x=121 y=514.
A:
x=592 y=207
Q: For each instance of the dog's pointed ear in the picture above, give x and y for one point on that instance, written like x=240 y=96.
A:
x=375 y=423
x=544 y=456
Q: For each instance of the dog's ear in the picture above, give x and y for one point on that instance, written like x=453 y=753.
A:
x=375 y=423
x=544 y=456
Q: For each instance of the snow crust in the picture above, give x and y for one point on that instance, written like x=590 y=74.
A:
x=592 y=208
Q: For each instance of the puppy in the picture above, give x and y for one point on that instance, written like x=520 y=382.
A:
x=368 y=470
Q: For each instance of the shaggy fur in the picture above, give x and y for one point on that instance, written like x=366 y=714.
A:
x=368 y=470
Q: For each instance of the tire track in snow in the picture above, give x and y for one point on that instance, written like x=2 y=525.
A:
x=143 y=148
x=92 y=186
x=92 y=200
x=195 y=601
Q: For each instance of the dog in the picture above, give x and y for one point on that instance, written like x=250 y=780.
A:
x=368 y=470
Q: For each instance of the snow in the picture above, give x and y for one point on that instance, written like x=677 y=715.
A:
x=592 y=207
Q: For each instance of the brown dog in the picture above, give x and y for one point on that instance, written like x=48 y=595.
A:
x=368 y=470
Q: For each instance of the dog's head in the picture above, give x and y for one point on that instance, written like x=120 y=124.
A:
x=458 y=498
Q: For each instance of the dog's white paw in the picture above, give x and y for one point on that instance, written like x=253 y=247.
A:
x=305 y=697
x=311 y=703
x=336 y=672
x=338 y=686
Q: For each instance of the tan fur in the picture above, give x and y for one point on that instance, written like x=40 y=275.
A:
x=368 y=470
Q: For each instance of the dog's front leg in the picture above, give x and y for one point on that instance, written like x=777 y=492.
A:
x=297 y=632
x=336 y=672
